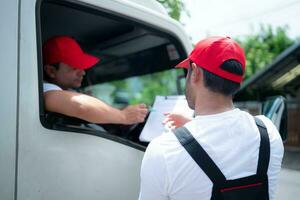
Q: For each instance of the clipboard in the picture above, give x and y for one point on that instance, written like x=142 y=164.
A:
x=162 y=104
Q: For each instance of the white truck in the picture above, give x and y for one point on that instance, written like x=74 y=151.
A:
x=47 y=156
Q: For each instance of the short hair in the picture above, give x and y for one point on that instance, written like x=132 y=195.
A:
x=45 y=75
x=221 y=85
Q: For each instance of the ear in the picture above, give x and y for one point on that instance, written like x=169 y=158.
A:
x=197 y=73
x=50 y=70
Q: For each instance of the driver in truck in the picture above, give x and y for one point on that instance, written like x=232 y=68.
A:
x=64 y=67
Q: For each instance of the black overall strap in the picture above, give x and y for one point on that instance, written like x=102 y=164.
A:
x=264 y=148
x=206 y=163
x=199 y=155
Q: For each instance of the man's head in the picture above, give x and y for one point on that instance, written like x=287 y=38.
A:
x=65 y=62
x=219 y=62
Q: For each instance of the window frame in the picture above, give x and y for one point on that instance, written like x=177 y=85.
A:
x=82 y=6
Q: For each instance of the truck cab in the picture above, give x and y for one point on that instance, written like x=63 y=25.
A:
x=50 y=156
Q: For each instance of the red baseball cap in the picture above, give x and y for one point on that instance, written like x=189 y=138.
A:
x=65 y=49
x=210 y=54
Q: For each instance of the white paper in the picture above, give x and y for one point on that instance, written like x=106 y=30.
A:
x=163 y=104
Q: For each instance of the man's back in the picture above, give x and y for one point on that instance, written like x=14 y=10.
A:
x=231 y=139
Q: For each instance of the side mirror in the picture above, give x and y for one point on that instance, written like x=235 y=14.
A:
x=275 y=109
x=121 y=99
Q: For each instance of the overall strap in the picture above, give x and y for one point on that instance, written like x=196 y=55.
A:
x=199 y=155
x=264 y=148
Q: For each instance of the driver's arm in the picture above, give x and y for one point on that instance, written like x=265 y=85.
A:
x=92 y=109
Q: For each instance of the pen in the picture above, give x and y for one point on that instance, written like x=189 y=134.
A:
x=150 y=109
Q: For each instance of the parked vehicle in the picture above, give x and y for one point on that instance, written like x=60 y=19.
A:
x=275 y=108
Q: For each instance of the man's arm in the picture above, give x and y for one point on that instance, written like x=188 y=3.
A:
x=92 y=109
x=154 y=181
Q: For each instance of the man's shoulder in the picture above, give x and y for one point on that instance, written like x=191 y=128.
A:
x=274 y=135
x=163 y=142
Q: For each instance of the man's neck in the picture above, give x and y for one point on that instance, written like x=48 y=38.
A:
x=210 y=103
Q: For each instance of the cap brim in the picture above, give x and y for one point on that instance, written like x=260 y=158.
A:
x=184 y=64
x=83 y=61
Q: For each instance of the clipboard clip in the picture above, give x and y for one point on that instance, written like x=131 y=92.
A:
x=182 y=97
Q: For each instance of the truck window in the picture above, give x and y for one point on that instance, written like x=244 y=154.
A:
x=137 y=62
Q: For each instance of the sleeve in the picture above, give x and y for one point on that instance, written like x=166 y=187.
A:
x=276 y=155
x=153 y=174
x=49 y=86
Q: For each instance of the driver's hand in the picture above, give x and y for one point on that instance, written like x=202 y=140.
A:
x=134 y=113
x=174 y=120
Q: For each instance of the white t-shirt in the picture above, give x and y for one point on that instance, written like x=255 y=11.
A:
x=50 y=86
x=231 y=139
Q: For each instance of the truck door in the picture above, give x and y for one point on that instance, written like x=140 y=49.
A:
x=9 y=61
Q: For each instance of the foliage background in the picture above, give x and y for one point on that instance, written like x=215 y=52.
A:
x=263 y=47
x=260 y=48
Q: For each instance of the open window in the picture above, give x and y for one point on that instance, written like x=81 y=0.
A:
x=137 y=61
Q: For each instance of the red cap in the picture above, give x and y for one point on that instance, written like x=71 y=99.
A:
x=210 y=54
x=65 y=49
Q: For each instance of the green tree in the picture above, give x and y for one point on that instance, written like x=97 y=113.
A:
x=262 y=48
x=160 y=83
x=174 y=7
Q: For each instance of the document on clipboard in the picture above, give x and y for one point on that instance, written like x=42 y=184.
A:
x=163 y=104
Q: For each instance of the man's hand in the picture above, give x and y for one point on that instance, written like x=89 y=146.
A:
x=135 y=113
x=174 y=120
